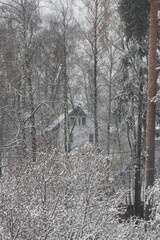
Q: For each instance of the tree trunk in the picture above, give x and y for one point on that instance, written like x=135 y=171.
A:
x=65 y=93
x=21 y=112
x=139 y=150
x=32 y=118
x=66 y=123
x=109 y=107
x=95 y=75
x=151 y=106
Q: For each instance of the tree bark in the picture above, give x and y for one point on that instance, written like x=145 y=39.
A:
x=138 y=153
x=109 y=107
x=95 y=74
x=151 y=106
x=32 y=118
x=65 y=90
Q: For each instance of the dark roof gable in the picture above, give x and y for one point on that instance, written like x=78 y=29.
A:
x=77 y=112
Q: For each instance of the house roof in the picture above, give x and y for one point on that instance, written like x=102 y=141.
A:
x=77 y=112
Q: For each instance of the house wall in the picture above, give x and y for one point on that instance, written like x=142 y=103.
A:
x=80 y=133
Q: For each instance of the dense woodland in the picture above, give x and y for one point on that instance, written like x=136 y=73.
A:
x=104 y=56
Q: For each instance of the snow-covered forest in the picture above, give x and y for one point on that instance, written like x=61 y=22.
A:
x=102 y=56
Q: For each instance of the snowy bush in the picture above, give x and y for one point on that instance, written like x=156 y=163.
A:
x=64 y=197
x=59 y=197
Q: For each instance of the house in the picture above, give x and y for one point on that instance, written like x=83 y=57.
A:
x=81 y=129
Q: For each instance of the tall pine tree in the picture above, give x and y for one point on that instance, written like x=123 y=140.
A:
x=151 y=106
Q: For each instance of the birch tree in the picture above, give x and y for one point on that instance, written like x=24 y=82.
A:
x=97 y=18
x=67 y=32
x=24 y=18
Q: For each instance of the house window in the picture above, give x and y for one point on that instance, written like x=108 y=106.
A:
x=91 y=139
x=83 y=121
x=72 y=120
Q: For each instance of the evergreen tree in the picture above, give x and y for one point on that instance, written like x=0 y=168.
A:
x=135 y=15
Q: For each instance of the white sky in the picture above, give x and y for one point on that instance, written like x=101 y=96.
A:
x=48 y=8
